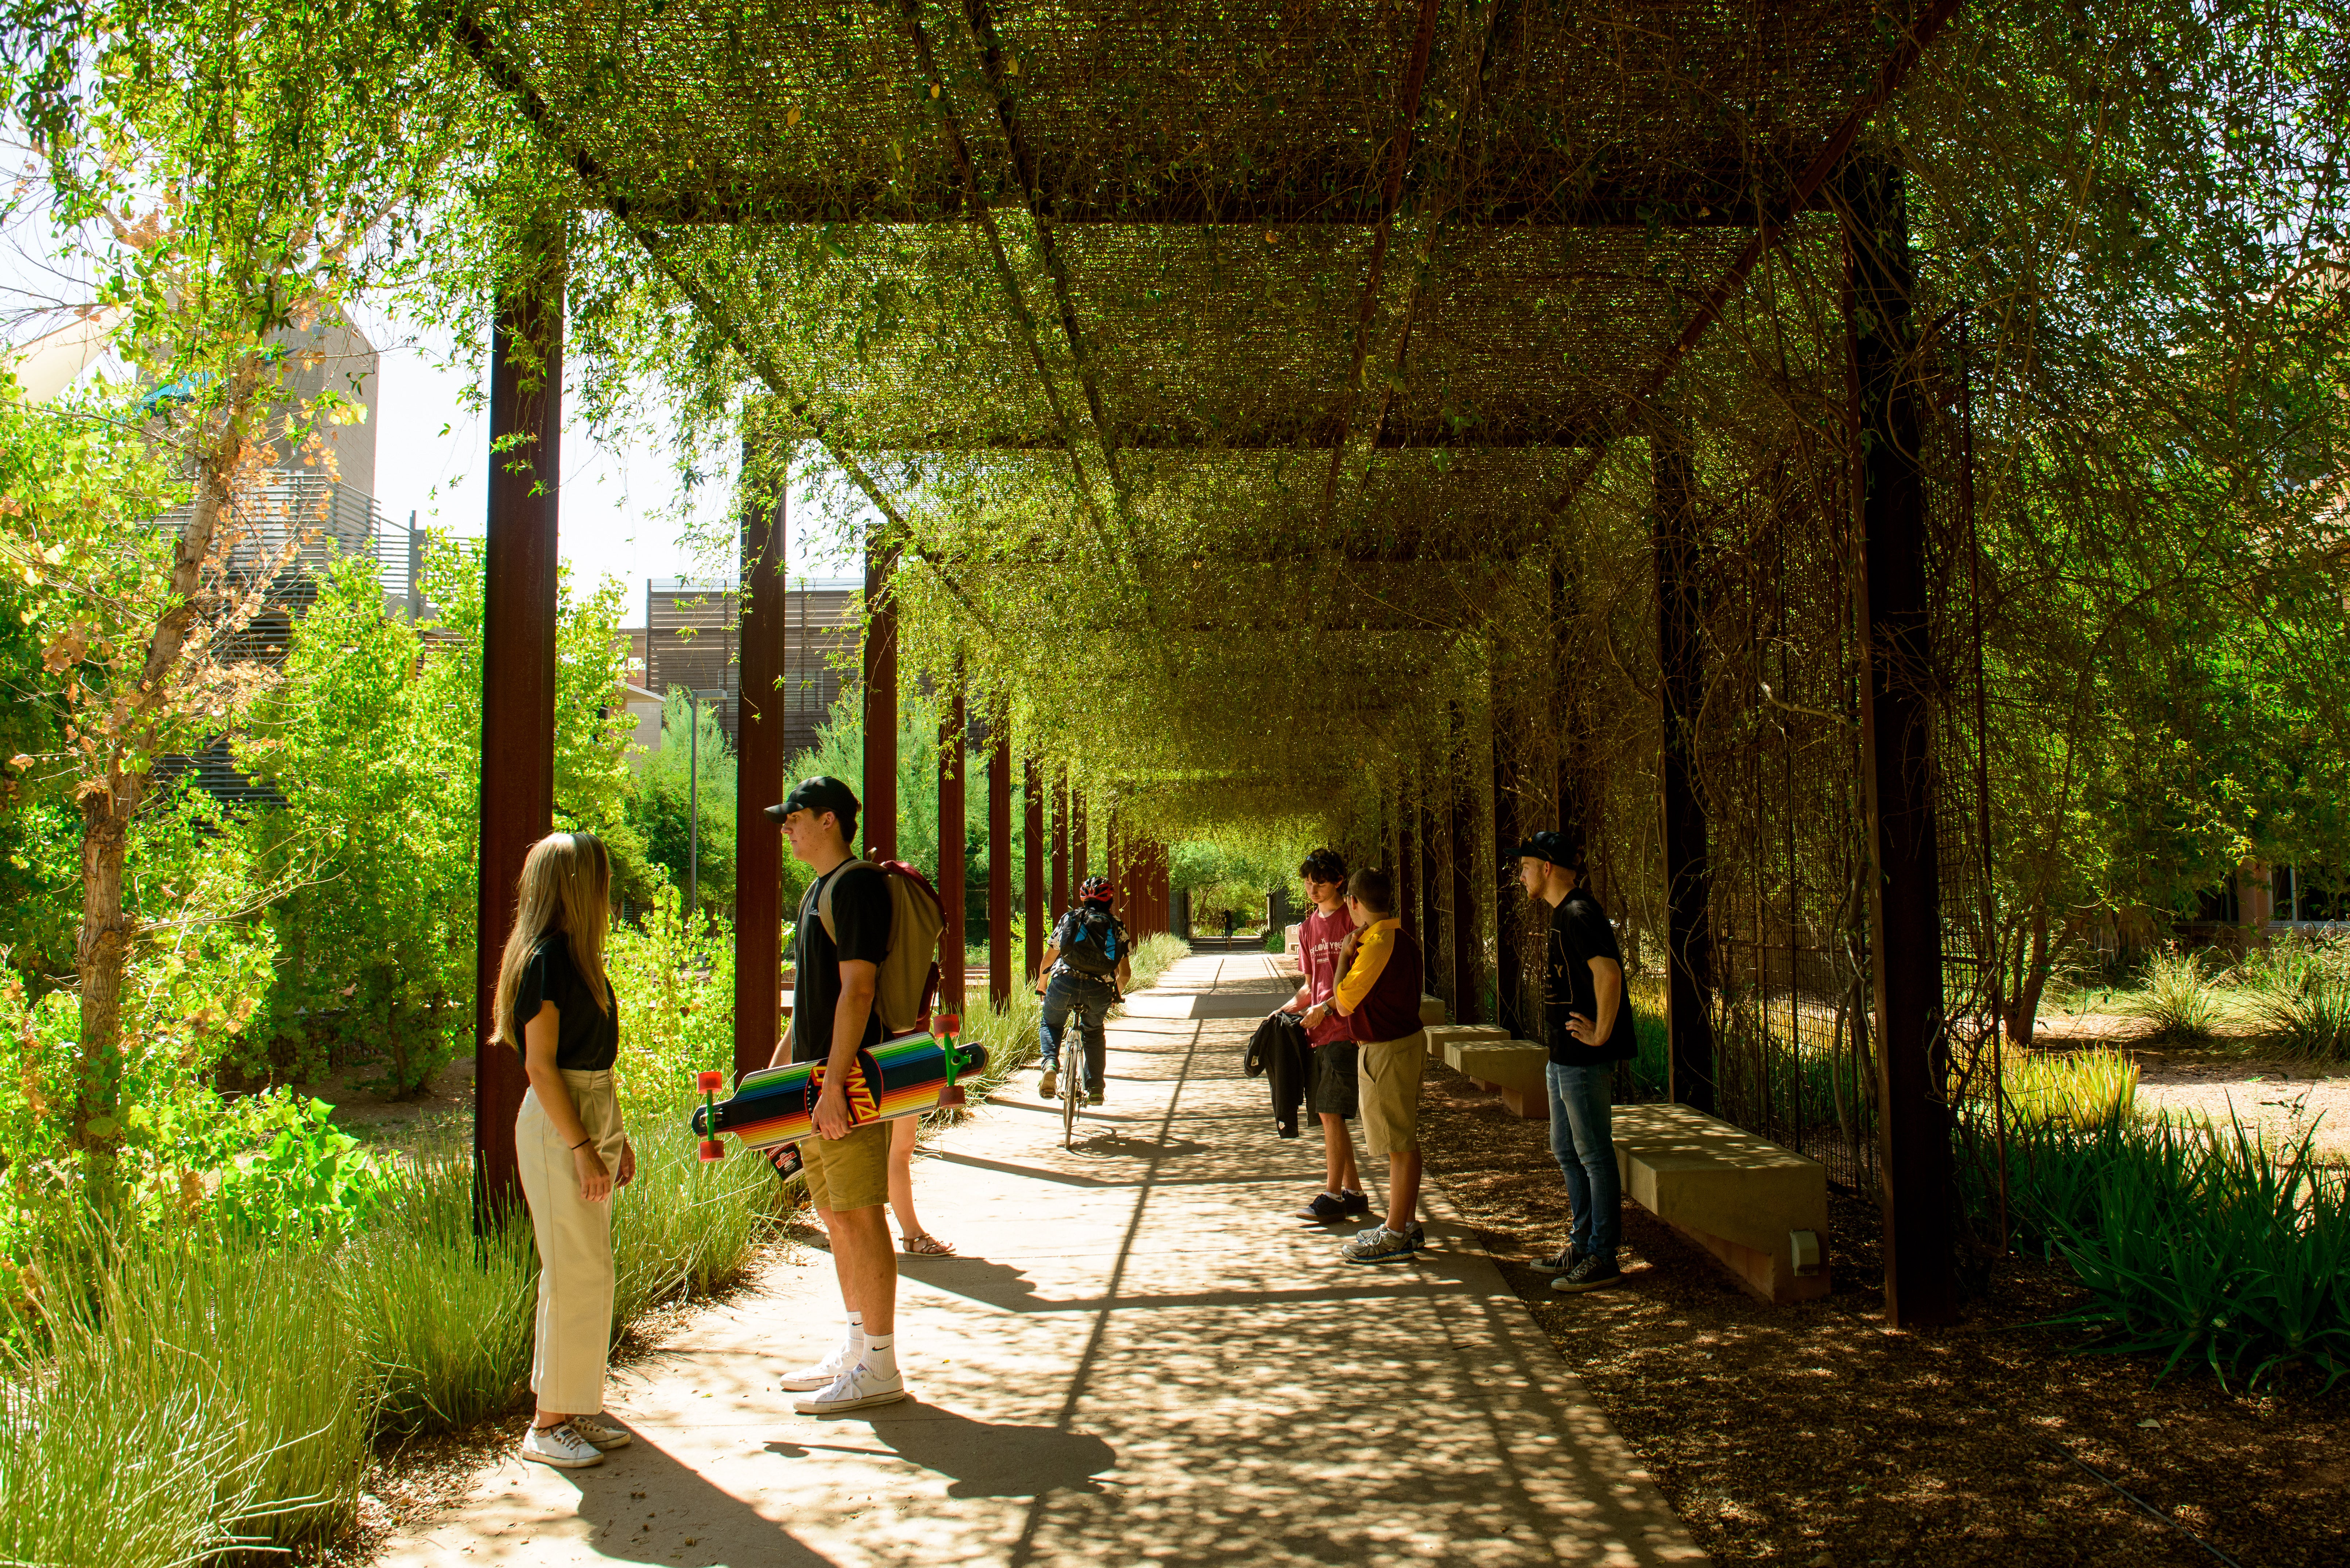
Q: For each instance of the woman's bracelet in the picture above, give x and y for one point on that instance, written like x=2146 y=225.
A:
x=583 y=1143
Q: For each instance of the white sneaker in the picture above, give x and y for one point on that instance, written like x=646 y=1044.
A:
x=603 y=1431
x=562 y=1446
x=1046 y=1083
x=853 y=1390
x=824 y=1374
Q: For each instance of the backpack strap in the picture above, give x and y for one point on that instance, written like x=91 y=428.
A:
x=824 y=899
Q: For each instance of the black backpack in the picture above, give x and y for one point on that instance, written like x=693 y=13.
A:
x=1092 y=945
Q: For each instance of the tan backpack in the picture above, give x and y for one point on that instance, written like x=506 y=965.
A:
x=909 y=977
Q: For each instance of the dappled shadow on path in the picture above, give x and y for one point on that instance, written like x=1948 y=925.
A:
x=981 y=1459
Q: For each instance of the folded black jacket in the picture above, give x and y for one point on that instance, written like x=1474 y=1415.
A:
x=1278 y=1051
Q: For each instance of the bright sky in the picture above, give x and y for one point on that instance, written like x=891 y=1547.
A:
x=432 y=456
x=433 y=451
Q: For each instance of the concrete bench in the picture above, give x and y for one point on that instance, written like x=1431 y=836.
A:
x=1441 y=1034
x=1761 y=1208
x=1514 y=1067
x=1431 y=1008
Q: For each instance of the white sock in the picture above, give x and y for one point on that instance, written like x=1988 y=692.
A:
x=856 y=1334
x=882 y=1355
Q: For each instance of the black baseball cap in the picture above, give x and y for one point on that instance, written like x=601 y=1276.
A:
x=1550 y=846
x=819 y=794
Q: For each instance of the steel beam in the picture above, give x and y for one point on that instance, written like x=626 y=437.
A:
x=759 y=753
x=1432 y=919
x=1080 y=839
x=1688 y=875
x=1407 y=862
x=1000 y=963
x=1032 y=865
x=1466 y=930
x=1060 y=847
x=880 y=652
x=517 y=781
x=954 y=845
x=1509 y=899
x=1914 y=1115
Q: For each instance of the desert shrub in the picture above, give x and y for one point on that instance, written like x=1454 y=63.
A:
x=441 y=1316
x=1154 y=956
x=2080 y=1089
x=674 y=982
x=2298 y=995
x=2175 y=995
x=684 y=1229
x=2204 y=1247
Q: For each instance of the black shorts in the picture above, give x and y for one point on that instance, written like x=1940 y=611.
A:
x=1337 y=1091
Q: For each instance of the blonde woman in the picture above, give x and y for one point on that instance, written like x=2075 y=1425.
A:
x=556 y=1006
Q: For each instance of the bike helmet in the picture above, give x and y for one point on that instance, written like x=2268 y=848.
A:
x=1094 y=890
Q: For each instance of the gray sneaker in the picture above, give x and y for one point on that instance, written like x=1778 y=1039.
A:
x=1378 y=1245
x=1417 y=1235
x=562 y=1446
x=1045 y=1085
x=603 y=1431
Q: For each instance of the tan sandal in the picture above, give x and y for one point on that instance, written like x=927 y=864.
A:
x=925 y=1245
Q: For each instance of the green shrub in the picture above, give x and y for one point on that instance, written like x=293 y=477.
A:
x=2200 y=1246
x=443 y=1317
x=313 y=1179
x=245 y=1352
x=2079 y=1088
x=684 y=1229
x=1277 y=939
x=2177 y=996
x=2298 y=993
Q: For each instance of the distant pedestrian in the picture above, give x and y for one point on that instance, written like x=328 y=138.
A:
x=1333 y=1090
x=1379 y=996
x=1587 y=1024
x=1230 y=919
x=556 y=1006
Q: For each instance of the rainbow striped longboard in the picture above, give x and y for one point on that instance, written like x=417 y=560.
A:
x=899 y=1077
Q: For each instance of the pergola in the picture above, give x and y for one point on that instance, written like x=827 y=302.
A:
x=1366 y=283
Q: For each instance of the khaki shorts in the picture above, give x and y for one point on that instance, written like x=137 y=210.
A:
x=1391 y=1072
x=847 y=1173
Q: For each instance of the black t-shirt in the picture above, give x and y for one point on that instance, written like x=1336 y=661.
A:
x=860 y=911
x=1579 y=932
x=588 y=1038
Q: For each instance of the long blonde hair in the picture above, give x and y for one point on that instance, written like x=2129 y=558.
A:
x=565 y=886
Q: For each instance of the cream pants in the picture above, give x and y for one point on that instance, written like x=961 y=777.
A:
x=575 y=1246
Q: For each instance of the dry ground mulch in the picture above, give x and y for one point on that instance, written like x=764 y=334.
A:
x=1813 y=1435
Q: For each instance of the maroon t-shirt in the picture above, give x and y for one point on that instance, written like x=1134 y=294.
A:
x=1319 y=938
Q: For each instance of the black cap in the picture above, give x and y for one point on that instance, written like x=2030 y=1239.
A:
x=1550 y=846
x=819 y=794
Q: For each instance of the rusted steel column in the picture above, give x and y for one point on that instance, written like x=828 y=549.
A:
x=1407 y=862
x=1060 y=851
x=1572 y=784
x=1032 y=867
x=1467 y=930
x=880 y=820
x=1688 y=877
x=759 y=760
x=952 y=847
x=1080 y=838
x=1431 y=918
x=517 y=784
x=998 y=862
x=1914 y=1118
x=1509 y=899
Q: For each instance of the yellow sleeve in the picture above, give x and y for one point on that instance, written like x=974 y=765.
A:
x=1370 y=957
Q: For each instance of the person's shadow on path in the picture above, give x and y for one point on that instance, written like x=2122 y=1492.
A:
x=984 y=1458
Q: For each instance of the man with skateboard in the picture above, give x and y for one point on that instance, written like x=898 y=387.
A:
x=833 y=1017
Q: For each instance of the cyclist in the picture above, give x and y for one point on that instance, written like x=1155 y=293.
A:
x=1085 y=971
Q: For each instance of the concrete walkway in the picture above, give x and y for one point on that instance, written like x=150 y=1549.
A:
x=1140 y=1359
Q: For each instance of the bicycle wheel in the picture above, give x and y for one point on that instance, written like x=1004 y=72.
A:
x=1072 y=1091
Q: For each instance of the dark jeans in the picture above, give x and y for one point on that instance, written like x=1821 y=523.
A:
x=1089 y=999
x=1585 y=1147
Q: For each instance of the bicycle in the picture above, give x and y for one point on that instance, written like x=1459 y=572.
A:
x=1072 y=1085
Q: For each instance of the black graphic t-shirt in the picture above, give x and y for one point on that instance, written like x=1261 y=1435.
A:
x=1579 y=932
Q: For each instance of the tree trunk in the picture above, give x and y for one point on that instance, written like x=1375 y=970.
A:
x=100 y=958
x=2029 y=980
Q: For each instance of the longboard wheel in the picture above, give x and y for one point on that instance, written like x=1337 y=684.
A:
x=712 y=1150
x=709 y=1084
